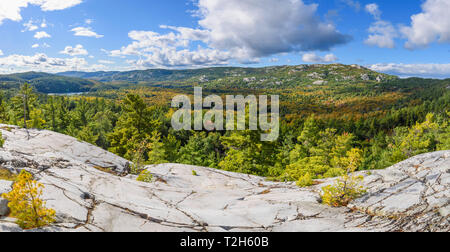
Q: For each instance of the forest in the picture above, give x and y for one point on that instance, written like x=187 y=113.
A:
x=375 y=119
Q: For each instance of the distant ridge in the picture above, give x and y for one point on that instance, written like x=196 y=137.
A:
x=265 y=77
x=47 y=83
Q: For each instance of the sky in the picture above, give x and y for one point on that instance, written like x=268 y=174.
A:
x=402 y=37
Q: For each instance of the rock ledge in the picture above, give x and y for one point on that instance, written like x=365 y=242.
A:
x=411 y=196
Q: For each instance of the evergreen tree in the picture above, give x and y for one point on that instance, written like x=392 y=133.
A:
x=23 y=103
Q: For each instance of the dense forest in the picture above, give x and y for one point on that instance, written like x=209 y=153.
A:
x=47 y=83
x=329 y=115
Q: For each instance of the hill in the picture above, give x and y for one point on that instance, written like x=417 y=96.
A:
x=47 y=83
x=81 y=185
x=279 y=77
x=235 y=77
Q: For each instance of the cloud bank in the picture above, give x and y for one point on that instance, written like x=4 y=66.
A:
x=74 y=51
x=431 y=25
x=41 y=62
x=314 y=58
x=10 y=9
x=235 y=30
x=382 y=33
x=85 y=32
x=418 y=70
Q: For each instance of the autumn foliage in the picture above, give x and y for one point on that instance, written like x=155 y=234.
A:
x=26 y=204
x=348 y=187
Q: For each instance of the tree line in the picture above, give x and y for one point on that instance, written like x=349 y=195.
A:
x=309 y=147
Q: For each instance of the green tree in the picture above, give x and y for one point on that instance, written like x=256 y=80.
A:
x=202 y=149
x=36 y=119
x=24 y=103
x=348 y=187
x=2 y=141
x=245 y=153
x=156 y=153
x=419 y=139
x=51 y=111
x=444 y=134
x=172 y=146
x=136 y=124
x=4 y=115
x=87 y=134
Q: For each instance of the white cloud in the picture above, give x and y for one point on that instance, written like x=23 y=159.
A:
x=106 y=62
x=74 y=51
x=52 y=5
x=258 y=28
x=44 y=45
x=88 y=21
x=41 y=62
x=374 y=10
x=1 y=53
x=167 y=50
x=41 y=35
x=189 y=33
x=274 y=60
x=85 y=32
x=431 y=25
x=34 y=25
x=44 y=24
x=418 y=70
x=314 y=58
x=383 y=35
x=354 y=4
x=238 y=30
x=30 y=26
x=10 y=9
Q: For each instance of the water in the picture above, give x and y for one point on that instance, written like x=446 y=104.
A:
x=67 y=94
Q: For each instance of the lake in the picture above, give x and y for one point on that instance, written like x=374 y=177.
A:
x=67 y=94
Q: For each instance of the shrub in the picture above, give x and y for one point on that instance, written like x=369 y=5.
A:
x=305 y=180
x=343 y=192
x=194 y=173
x=2 y=141
x=145 y=176
x=26 y=204
x=346 y=188
x=6 y=174
x=138 y=164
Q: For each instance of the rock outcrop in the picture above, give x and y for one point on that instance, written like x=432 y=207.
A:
x=90 y=190
x=5 y=187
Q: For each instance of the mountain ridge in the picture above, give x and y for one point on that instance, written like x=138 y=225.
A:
x=214 y=73
x=219 y=78
x=46 y=82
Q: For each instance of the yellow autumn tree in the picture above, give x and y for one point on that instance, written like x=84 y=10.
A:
x=26 y=204
x=419 y=139
x=347 y=187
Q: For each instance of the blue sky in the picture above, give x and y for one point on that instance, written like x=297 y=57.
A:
x=403 y=37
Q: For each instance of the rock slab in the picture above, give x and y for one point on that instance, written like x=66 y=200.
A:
x=410 y=196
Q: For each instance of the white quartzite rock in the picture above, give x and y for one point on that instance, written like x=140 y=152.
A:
x=5 y=187
x=411 y=196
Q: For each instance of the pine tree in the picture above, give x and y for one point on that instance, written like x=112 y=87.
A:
x=202 y=149
x=156 y=153
x=36 y=119
x=4 y=116
x=24 y=103
x=135 y=125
